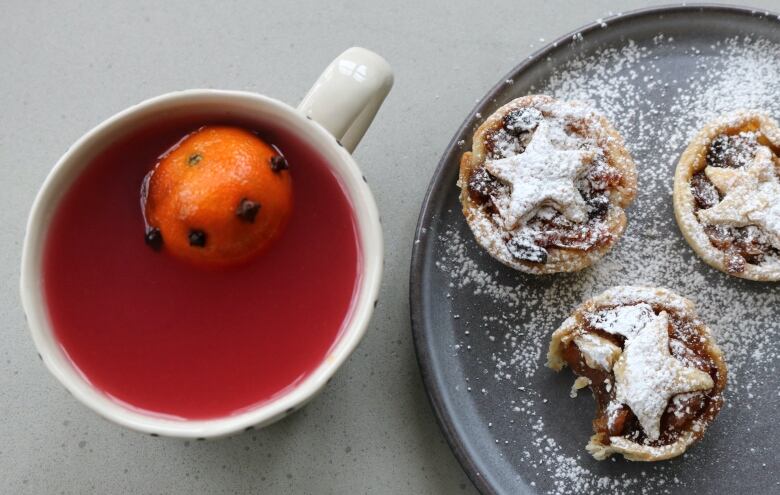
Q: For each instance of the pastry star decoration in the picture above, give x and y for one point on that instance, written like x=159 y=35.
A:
x=752 y=196
x=544 y=172
x=647 y=375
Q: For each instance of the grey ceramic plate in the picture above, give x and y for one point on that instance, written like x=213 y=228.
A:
x=481 y=329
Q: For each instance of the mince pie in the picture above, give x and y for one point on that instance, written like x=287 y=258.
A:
x=655 y=371
x=545 y=184
x=727 y=195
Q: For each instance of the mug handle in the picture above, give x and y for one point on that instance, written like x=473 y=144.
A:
x=348 y=94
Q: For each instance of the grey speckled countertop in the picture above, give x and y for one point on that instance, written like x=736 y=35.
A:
x=67 y=66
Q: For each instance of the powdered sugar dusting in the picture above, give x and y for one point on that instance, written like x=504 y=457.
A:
x=752 y=196
x=647 y=376
x=622 y=320
x=510 y=316
x=539 y=184
x=546 y=170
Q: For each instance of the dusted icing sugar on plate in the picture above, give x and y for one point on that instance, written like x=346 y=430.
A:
x=656 y=91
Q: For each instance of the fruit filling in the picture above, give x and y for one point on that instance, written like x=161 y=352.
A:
x=594 y=352
x=546 y=224
x=745 y=226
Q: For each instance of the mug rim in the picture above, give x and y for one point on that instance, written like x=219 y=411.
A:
x=47 y=200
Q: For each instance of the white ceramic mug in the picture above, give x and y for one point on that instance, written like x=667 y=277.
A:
x=332 y=118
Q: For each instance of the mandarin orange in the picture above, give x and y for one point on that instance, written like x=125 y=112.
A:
x=220 y=196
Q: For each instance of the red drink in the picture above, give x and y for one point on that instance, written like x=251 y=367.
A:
x=174 y=339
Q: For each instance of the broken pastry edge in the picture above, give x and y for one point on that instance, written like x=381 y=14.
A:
x=633 y=451
x=694 y=160
x=579 y=383
x=683 y=307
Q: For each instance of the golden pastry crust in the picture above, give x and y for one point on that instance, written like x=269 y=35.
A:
x=601 y=138
x=694 y=163
x=691 y=346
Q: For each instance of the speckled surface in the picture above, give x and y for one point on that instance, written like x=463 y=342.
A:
x=67 y=67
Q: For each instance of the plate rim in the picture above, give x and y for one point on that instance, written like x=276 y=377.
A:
x=444 y=417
